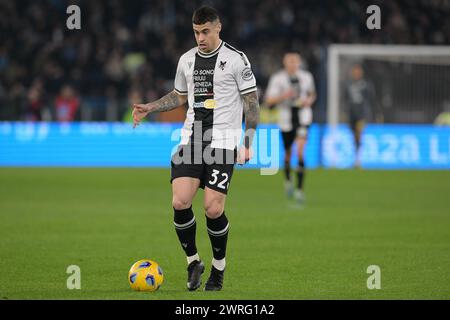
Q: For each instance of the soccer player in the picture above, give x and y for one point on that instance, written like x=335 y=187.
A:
x=359 y=96
x=217 y=83
x=292 y=90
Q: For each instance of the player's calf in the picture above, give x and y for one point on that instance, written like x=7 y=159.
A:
x=218 y=235
x=185 y=227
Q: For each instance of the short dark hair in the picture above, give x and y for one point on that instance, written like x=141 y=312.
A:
x=205 y=14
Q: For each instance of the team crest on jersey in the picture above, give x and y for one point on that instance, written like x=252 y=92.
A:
x=222 y=64
x=247 y=74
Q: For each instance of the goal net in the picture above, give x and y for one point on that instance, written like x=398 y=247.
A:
x=411 y=84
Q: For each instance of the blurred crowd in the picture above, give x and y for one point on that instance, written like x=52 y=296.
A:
x=127 y=51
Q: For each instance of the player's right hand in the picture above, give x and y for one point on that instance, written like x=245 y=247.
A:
x=289 y=94
x=140 y=111
x=244 y=155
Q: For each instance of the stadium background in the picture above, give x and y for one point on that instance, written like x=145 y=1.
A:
x=126 y=52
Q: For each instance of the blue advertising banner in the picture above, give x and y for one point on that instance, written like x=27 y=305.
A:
x=151 y=144
x=85 y=144
x=389 y=147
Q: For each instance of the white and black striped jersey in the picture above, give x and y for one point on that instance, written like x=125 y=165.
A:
x=214 y=83
x=302 y=83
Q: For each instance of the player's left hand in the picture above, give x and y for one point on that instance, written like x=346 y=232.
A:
x=244 y=155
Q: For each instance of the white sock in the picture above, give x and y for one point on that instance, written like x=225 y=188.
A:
x=219 y=264
x=193 y=258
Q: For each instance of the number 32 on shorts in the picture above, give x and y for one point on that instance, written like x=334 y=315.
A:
x=215 y=179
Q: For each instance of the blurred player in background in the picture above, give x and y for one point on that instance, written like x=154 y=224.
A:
x=292 y=90
x=217 y=83
x=359 y=96
x=67 y=104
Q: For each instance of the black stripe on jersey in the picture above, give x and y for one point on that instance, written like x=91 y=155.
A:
x=229 y=46
x=203 y=76
x=240 y=52
x=180 y=92
x=249 y=89
x=295 y=117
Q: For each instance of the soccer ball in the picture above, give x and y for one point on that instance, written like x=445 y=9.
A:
x=145 y=275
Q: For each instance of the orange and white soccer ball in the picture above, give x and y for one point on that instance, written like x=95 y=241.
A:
x=145 y=275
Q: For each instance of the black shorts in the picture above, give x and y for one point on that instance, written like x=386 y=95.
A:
x=357 y=114
x=289 y=136
x=214 y=167
x=355 y=120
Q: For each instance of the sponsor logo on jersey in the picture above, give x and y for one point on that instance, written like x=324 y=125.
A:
x=207 y=104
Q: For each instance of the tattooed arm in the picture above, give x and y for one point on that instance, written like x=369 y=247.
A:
x=169 y=102
x=251 y=111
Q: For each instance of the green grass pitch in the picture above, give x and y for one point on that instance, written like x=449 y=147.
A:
x=103 y=220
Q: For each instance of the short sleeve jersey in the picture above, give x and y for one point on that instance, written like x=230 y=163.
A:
x=214 y=83
x=302 y=83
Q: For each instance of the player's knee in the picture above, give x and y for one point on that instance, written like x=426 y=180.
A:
x=301 y=150
x=214 y=209
x=180 y=204
x=287 y=156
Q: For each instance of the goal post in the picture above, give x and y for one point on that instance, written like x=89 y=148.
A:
x=412 y=83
